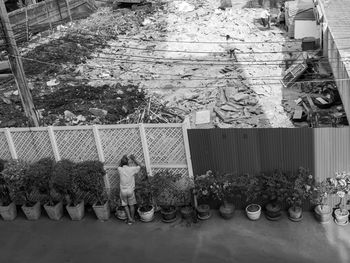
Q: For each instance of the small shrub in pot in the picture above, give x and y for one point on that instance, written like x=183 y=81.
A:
x=144 y=197
x=341 y=187
x=274 y=190
x=321 y=191
x=64 y=184
x=202 y=185
x=89 y=178
x=40 y=175
x=299 y=190
x=251 y=186
x=8 y=209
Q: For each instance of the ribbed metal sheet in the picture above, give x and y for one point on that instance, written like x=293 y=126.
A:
x=324 y=151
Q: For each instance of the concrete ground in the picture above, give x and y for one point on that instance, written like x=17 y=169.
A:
x=214 y=240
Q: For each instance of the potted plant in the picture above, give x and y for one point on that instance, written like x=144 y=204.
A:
x=251 y=185
x=224 y=188
x=299 y=189
x=321 y=191
x=202 y=185
x=166 y=194
x=22 y=188
x=8 y=209
x=40 y=173
x=88 y=176
x=274 y=190
x=143 y=192
x=64 y=183
x=340 y=187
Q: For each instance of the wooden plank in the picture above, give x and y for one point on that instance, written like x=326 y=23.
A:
x=311 y=103
x=297 y=114
x=4 y=65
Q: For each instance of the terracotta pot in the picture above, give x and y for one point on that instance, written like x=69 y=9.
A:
x=227 y=210
x=341 y=216
x=146 y=214
x=169 y=214
x=120 y=213
x=54 y=212
x=323 y=213
x=273 y=211
x=32 y=212
x=295 y=213
x=102 y=212
x=186 y=212
x=253 y=211
x=8 y=212
x=203 y=211
x=76 y=212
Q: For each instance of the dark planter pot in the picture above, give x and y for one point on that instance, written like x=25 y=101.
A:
x=168 y=214
x=76 y=212
x=295 y=213
x=120 y=213
x=8 y=212
x=54 y=212
x=32 y=212
x=273 y=211
x=186 y=212
x=227 y=210
x=146 y=213
x=253 y=211
x=341 y=217
x=203 y=212
x=323 y=213
x=102 y=212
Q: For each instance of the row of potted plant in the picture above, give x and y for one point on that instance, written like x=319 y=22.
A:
x=73 y=185
x=273 y=190
x=53 y=184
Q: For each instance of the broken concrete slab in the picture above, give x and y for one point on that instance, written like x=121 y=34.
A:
x=98 y=112
x=202 y=117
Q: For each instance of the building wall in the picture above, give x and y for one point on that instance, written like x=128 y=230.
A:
x=339 y=70
x=305 y=28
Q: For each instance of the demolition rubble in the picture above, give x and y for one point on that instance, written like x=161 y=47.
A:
x=163 y=61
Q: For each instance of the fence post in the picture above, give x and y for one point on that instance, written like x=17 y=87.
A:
x=145 y=149
x=185 y=126
x=11 y=144
x=100 y=153
x=54 y=144
x=68 y=9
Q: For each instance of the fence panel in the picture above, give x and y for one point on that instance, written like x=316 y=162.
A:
x=119 y=141
x=5 y=153
x=165 y=145
x=76 y=144
x=32 y=145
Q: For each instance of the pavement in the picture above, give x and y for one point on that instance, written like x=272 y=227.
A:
x=213 y=240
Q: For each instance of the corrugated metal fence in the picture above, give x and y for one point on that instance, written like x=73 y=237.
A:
x=324 y=150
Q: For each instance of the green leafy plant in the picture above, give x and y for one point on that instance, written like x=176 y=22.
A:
x=62 y=181
x=274 y=187
x=251 y=186
x=220 y=187
x=169 y=189
x=88 y=177
x=38 y=180
x=299 y=187
x=5 y=198
x=340 y=185
x=14 y=176
x=321 y=192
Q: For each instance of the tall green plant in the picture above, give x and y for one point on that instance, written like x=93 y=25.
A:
x=88 y=177
x=275 y=186
x=38 y=179
x=14 y=176
x=62 y=181
x=5 y=198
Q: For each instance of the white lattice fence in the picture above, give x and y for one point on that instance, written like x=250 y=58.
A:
x=159 y=146
x=5 y=153
x=32 y=145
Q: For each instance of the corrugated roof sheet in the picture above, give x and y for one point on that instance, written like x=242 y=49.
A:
x=337 y=16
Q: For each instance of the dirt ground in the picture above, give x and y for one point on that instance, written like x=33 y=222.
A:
x=159 y=63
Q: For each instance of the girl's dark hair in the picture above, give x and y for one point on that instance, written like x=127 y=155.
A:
x=124 y=161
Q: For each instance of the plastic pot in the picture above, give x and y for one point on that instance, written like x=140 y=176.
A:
x=203 y=212
x=253 y=211
x=168 y=214
x=341 y=216
x=146 y=213
x=227 y=210
x=323 y=213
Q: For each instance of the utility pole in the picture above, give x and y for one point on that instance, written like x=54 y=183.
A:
x=17 y=68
